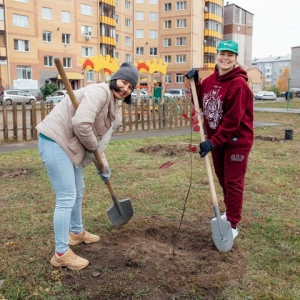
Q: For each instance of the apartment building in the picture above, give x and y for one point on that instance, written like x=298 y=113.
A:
x=33 y=33
x=183 y=34
x=271 y=68
x=295 y=69
x=238 y=26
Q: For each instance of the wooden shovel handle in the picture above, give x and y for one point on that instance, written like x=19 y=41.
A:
x=202 y=139
x=71 y=94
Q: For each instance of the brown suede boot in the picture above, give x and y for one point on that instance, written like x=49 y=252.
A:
x=69 y=260
x=82 y=237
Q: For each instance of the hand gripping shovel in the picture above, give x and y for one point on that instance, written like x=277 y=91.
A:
x=121 y=211
x=221 y=229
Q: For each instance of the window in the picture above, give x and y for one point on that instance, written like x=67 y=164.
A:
x=48 y=61
x=47 y=13
x=117 y=19
x=181 y=41
x=139 y=15
x=153 y=16
x=181 y=58
x=153 y=34
x=181 y=5
x=167 y=6
x=24 y=72
x=90 y=76
x=128 y=57
x=181 y=23
x=167 y=58
x=139 y=33
x=179 y=78
x=86 y=9
x=86 y=51
x=67 y=62
x=66 y=38
x=23 y=1
x=87 y=30
x=153 y=1
x=153 y=51
x=167 y=43
x=168 y=78
x=66 y=16
x=127 y=40
x=117 y=2
x=1 y=14
x=139 y=1
x=21 y=45
x=167 y=24
x=127 y=4
x=21 y=21
x=139 y=51
x=127 y=22
x=117 y=38
x=47 y=36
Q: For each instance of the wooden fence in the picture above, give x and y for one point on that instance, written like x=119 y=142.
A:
x=18 y=122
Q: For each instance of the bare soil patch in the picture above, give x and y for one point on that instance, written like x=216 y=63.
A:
x=148 y=258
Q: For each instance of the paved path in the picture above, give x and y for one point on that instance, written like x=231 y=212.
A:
x=7 y=147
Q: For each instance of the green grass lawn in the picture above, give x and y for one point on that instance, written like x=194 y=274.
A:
x=269 y=239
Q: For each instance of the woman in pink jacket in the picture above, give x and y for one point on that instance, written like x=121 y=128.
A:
x=67 y=141
x=227 y=104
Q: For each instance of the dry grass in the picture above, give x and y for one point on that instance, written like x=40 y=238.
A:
x=269 y=239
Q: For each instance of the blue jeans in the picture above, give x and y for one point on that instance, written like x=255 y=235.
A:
x=68 y=185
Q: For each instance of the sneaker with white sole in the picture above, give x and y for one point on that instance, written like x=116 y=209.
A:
x=234 y=232
x=69 y=260
x=82 y=237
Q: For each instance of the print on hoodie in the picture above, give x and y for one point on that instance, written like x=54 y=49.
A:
x=212 y=105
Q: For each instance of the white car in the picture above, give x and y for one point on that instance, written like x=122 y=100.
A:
x=265 y=95
x=10 y=96
x=56 y=97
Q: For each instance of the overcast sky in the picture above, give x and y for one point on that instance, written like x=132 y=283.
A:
x=276 y=26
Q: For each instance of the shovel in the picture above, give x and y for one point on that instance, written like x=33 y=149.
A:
x=121 y=211
x=221 y=229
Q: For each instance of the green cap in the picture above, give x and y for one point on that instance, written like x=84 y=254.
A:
x=229 y=46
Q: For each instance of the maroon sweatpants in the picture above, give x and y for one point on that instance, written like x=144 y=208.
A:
x=230 y=167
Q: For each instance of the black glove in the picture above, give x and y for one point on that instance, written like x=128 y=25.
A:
x=205 y=147
x=193 y=74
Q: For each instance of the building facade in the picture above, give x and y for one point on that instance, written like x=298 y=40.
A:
x=184 y=34
x=295 y=69
x=238 y=26
x=271 y=68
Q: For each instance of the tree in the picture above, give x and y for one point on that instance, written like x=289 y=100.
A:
x=48 y=89
x=282 y=81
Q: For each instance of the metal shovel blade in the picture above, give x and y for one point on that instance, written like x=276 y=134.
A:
x=222 y=234
x=121 y=212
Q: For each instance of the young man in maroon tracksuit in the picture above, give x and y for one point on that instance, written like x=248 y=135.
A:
x=227 y=104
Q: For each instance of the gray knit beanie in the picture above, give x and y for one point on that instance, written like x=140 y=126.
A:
x=128 y=72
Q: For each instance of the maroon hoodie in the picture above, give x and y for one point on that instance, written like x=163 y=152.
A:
x=227 y=105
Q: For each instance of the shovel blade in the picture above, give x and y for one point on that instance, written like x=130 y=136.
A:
x=121 y=214
x=222 y=234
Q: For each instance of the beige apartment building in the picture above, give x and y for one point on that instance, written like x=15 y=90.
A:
x=183 y=34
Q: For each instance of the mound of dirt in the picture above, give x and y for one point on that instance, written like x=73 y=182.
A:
x=165 y=150
x=148 y=259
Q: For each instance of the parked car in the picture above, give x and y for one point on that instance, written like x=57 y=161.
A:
x=175 y=93
x=265 y=95
x=56 y=97
x=143 y=95
x=19 y=96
